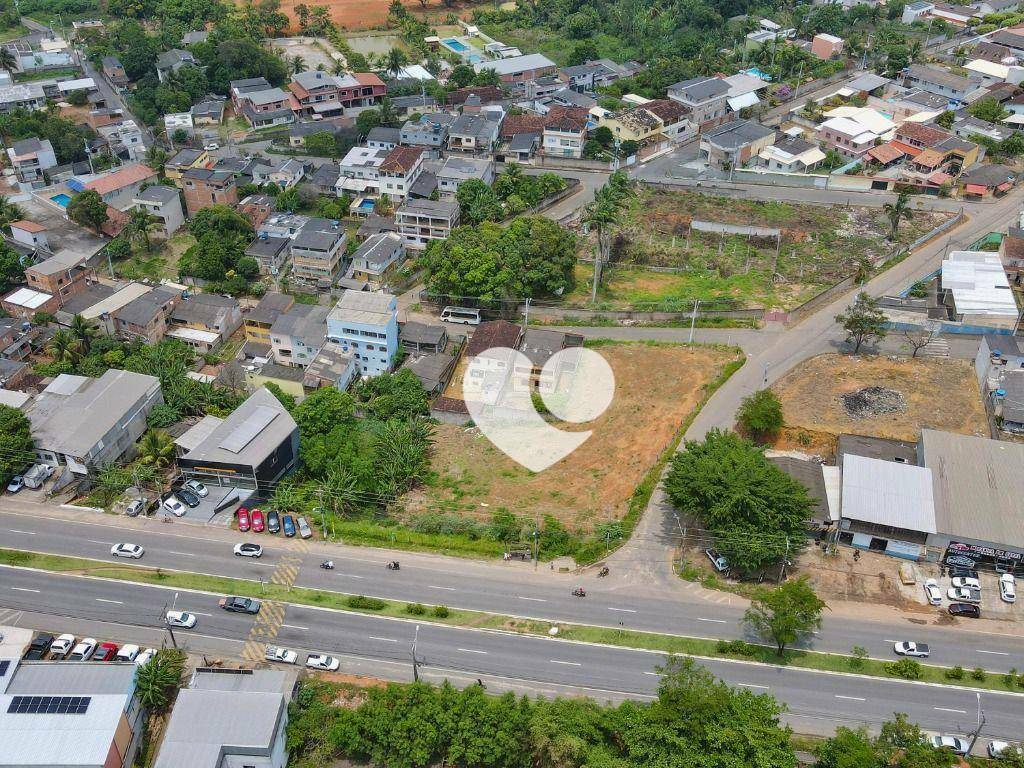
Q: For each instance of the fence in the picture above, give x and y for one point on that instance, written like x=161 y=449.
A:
x=553 y=315
x=814 y=303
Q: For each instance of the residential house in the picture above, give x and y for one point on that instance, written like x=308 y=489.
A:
x=317 y=251
x=360 y=171
x=975 y=289
x=178 y=125
x=433 y=370
x=284 y=173
x=565 y=132
x=124 y=140
x=324 y=178
x=205 y=320
x=61 y=277
x=117 y=188
x=518 y=70
x=332 y=366
x=208 y=113
x=282 y=225
x=366 y=323
x=489 y=335
x=382 y=137
x=164 y=205
x=1011 y=39
x=1011 y=250
x=268 y=107
x=941 y=82
x=998 y=354
x=399 y=171
x=422 y=338
x=431 y=130
x=299 y=132
x=913 y=138
x=361 y=89
x=852 y=132
x=705 y=97
x=255 y=446
x=27 y=96
x=69 y=713
x=317 y=93
x=204 y=187
x=240 y=88
x=987 y=181
x=420 y=221
x=826 y=46
x=260 y=319
x=30 y=159
x=475 y=132
x=1008 y=400
x=957 y=15
x=675 y=119
x=271 y=253
x=486 y=94
x=297 y=334
x=376 y=258
x=195 y=36
x=734 y=144
x=29 y=234
x=256 y=208
x=84 y=423
x=636 y=124
x=409 y=105
x=539 y=345
x=13 y=374
x=169 y=62
x=459 y=169
x=791 y=154
x=146 y=316
x=113 y=70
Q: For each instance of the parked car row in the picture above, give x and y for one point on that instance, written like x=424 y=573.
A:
x=34 y=477
x=997 y=749
x=183 y=496
x=964 y=592
x=313 y=660
x=67 y=647
x=254 y=520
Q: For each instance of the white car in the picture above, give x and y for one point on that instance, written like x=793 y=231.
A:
x=965 y=581
x=963 y=595
x=133 y=551
x=1003 y=749
x=143 y=658
x=283 y=655
x=181 y=619
x=84 y=650
x=910 y=648
x=322 y=661
x=212 y=146
x=175 y=506
x=932 y=592
x=248 y=550
x=127 y=653
x=197 y=488
x=955 y=743
x=1007 y=588
x=62 y=646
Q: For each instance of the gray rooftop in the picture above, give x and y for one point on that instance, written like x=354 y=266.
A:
x=517 y=64
x=141 y=311
x=890 y=494
x=306 y=322
x=441 y=209
x=1003 y=344
x=883 y=448
x=158 y=193
x=364 y=307
x=185 y=157
x=267 y=247
x=700 y=89
x=268 y=96
x=941 y=77
x=206 y=308
x=72 y=678
x=384 y=135
x=1012 y=385
x=250 y=434
x=464 y=167
x=378 y=248
x=422 y=333
x=539 y=344
x=318 y=235
x=432 y=369
x=736 y=134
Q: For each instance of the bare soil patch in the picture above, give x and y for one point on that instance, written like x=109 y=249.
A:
x=656 y=387
x=363 y=14
x=936 y=394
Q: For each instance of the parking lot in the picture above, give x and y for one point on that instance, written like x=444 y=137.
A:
x=992 y=607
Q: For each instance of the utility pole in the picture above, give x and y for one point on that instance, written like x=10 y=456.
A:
x=785 y=562
x=981 y=722
x=693 y=320
x=415 y=661
x=526 y=314
x=536 y=545
x=167 y=626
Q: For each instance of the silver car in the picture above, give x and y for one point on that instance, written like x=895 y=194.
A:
x=304 y=531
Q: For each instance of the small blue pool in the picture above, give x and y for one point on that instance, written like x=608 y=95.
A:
x=456 y=45
x=62 y=200
x=366 y=205
x=755 y=72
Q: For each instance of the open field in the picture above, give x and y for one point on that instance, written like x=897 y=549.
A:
x=819 y=247
x=937 y=394
x=656 y=388
x=373 y=14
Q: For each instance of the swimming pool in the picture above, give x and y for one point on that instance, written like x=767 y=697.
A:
x=456 y=45
x=366 y=204
x=62 y=200
x=755 y=72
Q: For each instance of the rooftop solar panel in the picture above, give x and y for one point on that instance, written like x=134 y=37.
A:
x=247 y=431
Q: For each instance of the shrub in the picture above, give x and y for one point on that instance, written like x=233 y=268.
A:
x=956 y=673
x=440 y=612
x=908 y=669
x=978 y=674
x=857 y=655
x=366 y=603
x=415 y=609
x=736 y=647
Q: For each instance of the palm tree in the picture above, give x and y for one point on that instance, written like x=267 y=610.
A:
x=298 y=64
x=600 y=215
x=339 y=68
x=156 y=448
x=156 y=681
x=8 y=60
x=64 y=348
x=395 y=61
x=83 y=331
x=140 y=222
x=898 y=211
x=915 y=50
x=9 y=211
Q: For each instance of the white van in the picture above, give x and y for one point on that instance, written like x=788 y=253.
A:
x=38 y=475
x=461 y=315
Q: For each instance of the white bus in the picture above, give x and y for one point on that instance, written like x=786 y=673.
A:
x=461 y=315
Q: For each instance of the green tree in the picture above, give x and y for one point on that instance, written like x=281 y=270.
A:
x=760 y=414
x=156 y=448
x=286 y=399
x=15 y=443
x=297 y=64
x=158 y=680
x=323 y=410
x=863 y=321
x=784 y=613
x=393 y=396
x=8 y=61
x=897 y=212
x=945 y=120
x=322 y=144
x=9 y=212
x=396 y=61
x=367 y=120
x=88 y=209
x=137 y=228
x=477 y=202
x=84 y=331
x=63 y=347
x=12 y=271
x=987 y=109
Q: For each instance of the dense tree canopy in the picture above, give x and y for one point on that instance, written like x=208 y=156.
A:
x=218 y=256
x=901 y=744
x=67 y=138
x=15 y=443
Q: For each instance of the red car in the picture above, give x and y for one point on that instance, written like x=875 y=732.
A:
x=105 y=652
x=257 y=521
x=243 y=519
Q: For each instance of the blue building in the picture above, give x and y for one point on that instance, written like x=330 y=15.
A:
x=367 y=325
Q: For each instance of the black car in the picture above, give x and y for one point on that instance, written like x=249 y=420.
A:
x=39 y=647
x=967 y=610
x=187 y=496
x=240 y=604
x=969 y=573
x=289 y=525
x=273 y=522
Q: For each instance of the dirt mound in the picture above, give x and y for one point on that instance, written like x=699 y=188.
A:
x=873 y=401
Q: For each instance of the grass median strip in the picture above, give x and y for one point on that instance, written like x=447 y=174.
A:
x=676 y=644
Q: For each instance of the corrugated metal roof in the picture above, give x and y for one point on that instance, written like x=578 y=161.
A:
x=887 y=493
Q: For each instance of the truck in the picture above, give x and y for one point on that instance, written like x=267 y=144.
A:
x=38 y=475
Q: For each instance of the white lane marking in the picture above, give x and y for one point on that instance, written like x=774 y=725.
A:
x=954 y=711
x=23 y=533
x=656 y=674
x=448 y=589
x=383 y=639
x=994 y=653
x=713 y=621
x=850 y=698
x=181 y=554
x=470 y=650
x=94 y=541
x=752 y=685
x=534 y=599
x=197 y=613
x=24 y=589
x=350 y=576
x=293 y=626
x=105 y=600
x=567 y=663
x=622 y=610
x=887 y=640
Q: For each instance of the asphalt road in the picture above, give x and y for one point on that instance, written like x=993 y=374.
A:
x=510 y=588
x=816 y=701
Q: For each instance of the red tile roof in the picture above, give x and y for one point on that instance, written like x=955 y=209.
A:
x=28 y=226
x=517 y=124
x=885 y=153
x=927 y=135
x=486 y=93
x=367 y=78
x=669 y=111
x=493 y=333
x=128 y=175
x=401 y=159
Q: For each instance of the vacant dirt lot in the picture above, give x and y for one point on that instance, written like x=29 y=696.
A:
x=655 y=388
x=936 y=394
x=369 y=14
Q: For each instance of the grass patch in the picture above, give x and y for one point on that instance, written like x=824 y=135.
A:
x=829 y=662
x=45 y=74
x=603 y=321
